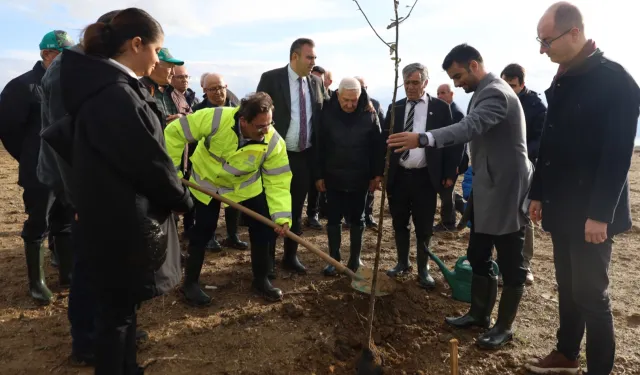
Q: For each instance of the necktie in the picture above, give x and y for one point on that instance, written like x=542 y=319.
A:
x=408 y=125
x=303 y=117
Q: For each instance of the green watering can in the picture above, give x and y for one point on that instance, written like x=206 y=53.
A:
x=460 y=278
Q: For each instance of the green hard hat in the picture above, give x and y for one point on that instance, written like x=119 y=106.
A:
x=56 y=39
x=166 y=56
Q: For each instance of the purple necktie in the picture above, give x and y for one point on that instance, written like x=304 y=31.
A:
x=303 y=118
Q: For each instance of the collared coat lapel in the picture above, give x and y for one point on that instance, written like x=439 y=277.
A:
x=284 y=87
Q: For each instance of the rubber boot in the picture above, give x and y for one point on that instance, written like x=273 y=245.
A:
x=334 y=234
x=34 y=253
x=290 y=260
x=272 y=260
x=501 y=332
x=232 y=240
x=424 y=279
x=402 y=249
x=213 y=245
x=191 y=290
x=355 y=248
x=64 y=249
x=483 y=297
x=260 y=267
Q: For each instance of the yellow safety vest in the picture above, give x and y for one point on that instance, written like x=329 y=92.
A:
x=220 y=165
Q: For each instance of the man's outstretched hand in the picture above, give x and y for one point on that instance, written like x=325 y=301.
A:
x=404 y=141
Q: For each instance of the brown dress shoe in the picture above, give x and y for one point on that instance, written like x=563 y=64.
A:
x=554 y=363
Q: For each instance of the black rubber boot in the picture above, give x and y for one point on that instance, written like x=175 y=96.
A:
x=501 y=332
x=334 y=235
x=424 y=279
x=231 y=218
x=213 y=245
x=272 y=261
x=313 y=222
x=402 y=248
x=355 y=233
x=483 y=297
x=290 y=261
x=191 y=290
x=260 y=267
x=34 y=253
x=64 y=249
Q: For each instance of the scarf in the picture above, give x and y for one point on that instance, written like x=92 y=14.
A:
x=181 y=102
x=587 y=50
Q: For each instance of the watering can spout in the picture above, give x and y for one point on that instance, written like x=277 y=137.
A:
x=448 y=274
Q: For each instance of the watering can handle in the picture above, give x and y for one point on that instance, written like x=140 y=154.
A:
x=460 y=260
x=496 y=269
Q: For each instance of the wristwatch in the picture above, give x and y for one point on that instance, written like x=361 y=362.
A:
x=423 y=140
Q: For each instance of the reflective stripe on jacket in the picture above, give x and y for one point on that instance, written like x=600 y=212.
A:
x=238 y=173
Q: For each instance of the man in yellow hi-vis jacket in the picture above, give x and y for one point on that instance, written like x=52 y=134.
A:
x=240 y=156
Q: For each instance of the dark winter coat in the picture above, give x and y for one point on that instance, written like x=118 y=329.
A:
x=53 y=170
x=20 y=122
x=586 y=148
x=534 y=112
x=351 y=148
x=124 y=183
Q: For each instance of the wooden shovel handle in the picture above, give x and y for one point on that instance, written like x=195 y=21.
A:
x=266 y=221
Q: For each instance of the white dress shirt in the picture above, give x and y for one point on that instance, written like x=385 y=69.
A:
x=292 y=138
x=417 y=157
x=124 y=68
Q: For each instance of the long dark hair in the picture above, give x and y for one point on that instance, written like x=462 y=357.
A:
x=106 y=39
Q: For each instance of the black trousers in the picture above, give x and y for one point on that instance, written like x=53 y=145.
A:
x=413 y=196
x=447 y=206
x=582 y=274
x=316 y=201
x=300 y=164
x=350 y=203
x=116 y=337
x=212 y=214
x=45 y=214
x=510 y=259
x=82 y=304
x=207 y=216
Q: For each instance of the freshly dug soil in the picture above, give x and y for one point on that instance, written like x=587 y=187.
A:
x=320 y=326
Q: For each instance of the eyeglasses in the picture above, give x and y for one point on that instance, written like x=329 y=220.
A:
x=183 y=76
x=215 y=89
x=547 y=43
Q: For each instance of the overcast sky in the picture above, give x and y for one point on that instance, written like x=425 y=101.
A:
x=243 y=38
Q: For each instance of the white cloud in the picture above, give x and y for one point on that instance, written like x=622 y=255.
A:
x=502 y=31
x=196 y=18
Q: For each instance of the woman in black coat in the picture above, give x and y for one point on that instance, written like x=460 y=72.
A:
x=124 y=183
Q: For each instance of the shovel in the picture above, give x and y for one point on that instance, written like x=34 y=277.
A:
x=361 y=280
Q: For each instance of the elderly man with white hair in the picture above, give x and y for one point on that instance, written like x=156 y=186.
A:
x=349 y=162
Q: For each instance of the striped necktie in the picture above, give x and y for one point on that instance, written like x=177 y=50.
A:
x=408 y=125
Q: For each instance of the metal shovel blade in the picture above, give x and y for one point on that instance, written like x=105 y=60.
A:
x=385 y=284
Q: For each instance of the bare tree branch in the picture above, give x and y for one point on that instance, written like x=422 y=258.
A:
x=408 y=14
x=366 y=18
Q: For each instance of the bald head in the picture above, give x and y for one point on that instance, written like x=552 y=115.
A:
x=216 y=89
x=561 y=32
x=564 y=16
x=363 y=82
x=445 y=93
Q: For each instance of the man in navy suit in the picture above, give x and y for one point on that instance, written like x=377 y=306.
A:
x=416 y=176
x=297 y=97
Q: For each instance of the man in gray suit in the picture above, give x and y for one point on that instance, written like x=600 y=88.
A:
x=495 y=128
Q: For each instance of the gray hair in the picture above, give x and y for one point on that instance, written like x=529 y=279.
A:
x=349 y=83
x=415 y=67
x=202 y=77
